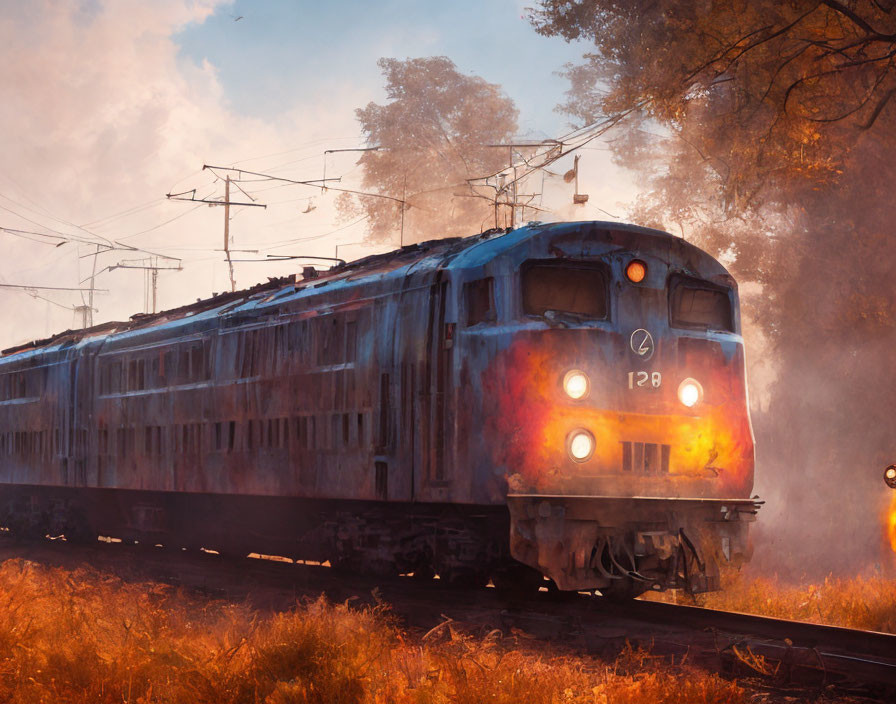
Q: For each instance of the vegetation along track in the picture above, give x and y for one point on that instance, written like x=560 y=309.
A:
x=779 y=652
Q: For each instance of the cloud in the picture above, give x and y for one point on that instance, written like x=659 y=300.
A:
x=99 y=115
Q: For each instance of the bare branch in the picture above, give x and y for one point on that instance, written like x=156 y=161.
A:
x=882 y=103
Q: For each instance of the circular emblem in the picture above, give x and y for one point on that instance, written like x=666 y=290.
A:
x=641 y=343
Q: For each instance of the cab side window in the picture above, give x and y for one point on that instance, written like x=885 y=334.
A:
x=701 y=305
x=479 y=299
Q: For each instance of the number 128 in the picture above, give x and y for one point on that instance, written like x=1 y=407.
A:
x=642 y=379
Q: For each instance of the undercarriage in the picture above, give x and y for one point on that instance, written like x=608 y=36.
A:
x=620 y=546
x=627 y=546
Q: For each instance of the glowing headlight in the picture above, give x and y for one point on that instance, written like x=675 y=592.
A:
x=690 y=393
x=580 y=445
x=890 y=476
x=576 y=384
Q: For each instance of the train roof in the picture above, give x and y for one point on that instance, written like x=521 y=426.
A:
x=449 y=253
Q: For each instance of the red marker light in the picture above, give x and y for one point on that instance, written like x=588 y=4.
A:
x=636 y=271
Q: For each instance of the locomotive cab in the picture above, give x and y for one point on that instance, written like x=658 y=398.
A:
x=615 y=405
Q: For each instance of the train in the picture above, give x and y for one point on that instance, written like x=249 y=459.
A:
x=558 y=404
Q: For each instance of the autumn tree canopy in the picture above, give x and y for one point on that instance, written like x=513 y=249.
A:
x=432 y=135
x=767 y=92
x=763 y=131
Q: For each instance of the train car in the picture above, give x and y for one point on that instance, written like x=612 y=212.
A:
x=563 y=400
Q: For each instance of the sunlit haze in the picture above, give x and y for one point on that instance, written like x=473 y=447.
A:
x=108 y=107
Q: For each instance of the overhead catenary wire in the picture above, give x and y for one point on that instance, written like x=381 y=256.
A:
x=52 y=288
x=107 y=243
x=306 y=145
x=48 y=300
x=314 y=183
x=553 y=149
x=583 y=136
x=287 y=243
x=156 y=227
x=46 y=215
x=103 y=222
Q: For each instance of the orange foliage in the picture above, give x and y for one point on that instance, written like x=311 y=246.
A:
x=867 y=602
x=86 y=637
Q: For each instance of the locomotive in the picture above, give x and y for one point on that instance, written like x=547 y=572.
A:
x=560 y=400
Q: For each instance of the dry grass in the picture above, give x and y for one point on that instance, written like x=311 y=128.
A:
x=86 y=637
x=867 y=602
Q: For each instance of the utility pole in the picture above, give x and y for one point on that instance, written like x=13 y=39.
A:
x=513 y=197
x=151 y=271
x=155 y=287
x=555 y=149
x=87 y=310
x=403 y=205
x=226 y=203
x=227 y=231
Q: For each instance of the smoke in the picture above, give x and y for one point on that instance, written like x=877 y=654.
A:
x=825 y=424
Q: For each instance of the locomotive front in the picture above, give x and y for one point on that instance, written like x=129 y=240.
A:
x=618 y=412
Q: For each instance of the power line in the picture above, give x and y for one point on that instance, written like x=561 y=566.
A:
x=313 y=182
x=106 y=242
x=63 y=238
x=306 y=145
x=156 y=227
x=287 y=243
x=53 y=288
x=45 y=214
x=124 y=213
x=556 y=149
x=62 y=235
x=269 y=177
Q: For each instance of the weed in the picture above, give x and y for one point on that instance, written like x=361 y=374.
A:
x=83 y=636
x=863 y=601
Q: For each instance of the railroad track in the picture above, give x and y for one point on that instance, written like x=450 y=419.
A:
x=776 y=651
x=836 y=653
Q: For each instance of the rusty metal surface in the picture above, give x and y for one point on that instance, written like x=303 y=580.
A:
x=378 y=381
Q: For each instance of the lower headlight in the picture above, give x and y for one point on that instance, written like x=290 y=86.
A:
x=580 y=445
x=690 y=393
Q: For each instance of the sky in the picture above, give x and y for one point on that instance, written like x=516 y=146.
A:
x=108 y=106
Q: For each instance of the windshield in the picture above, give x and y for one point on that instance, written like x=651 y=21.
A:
x=699 y=304
x=565 y=287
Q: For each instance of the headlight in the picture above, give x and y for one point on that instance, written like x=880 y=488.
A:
x=576 y=384
x=580 y=445
x=690 y=393
x=890 y=476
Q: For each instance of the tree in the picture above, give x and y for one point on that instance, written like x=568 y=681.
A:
x=779 y=90
x=764 y=132
x=432 y=136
